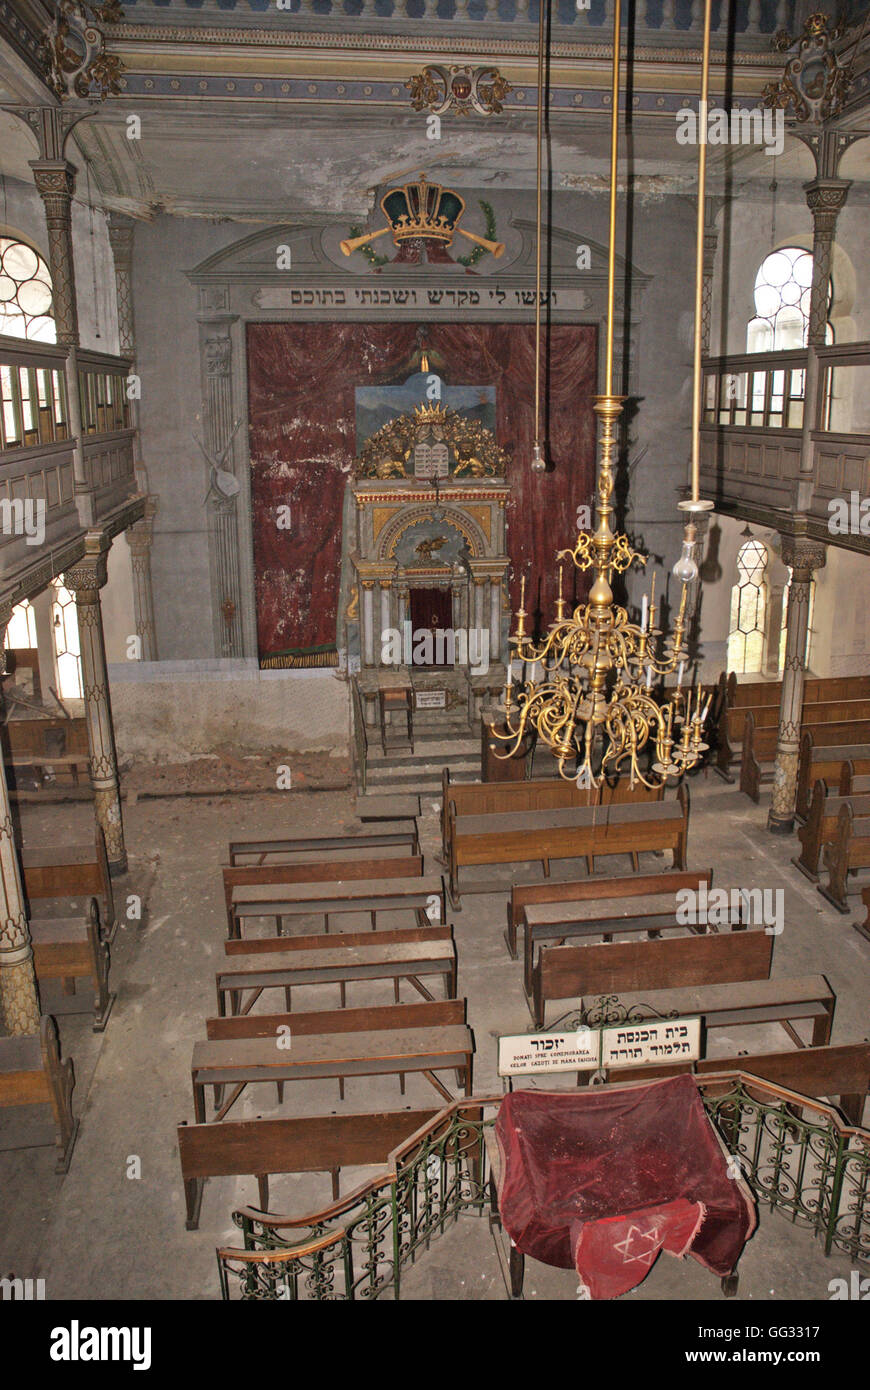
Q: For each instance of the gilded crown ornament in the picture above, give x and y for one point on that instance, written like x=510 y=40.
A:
x=422 y=211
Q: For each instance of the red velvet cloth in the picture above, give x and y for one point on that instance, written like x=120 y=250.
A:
x=301 y=408
x=604 y=1180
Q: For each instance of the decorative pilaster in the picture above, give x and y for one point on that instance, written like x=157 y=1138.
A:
x=19 y=1000
x=368 y=622
x=803 y=557
x=140 y=539
x=84 y=580
x=121 y=242
x=216 y=347
x=55 y=183
x=825 y=199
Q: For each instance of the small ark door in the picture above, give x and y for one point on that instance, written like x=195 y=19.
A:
x=431 y=609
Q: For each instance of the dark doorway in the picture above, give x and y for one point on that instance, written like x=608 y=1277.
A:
x=431 y=609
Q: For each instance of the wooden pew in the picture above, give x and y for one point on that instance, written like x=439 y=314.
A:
x=840 y=1072
x=587 y=890
x=394 y=1052
x=759 y=748
x=571 y=833
x=59 y=743
x=845 y=856
x=35 y=1094
x=67 y=949
x=655 y=913
x=70 y=871
x=863 y=927
x=317 y=871
x=832 y=762
x=282 y=962
x=399 y=836
x=553 y=794
x=422 y=896
x=821 y=826
x=566 y=972
x=315 y=1144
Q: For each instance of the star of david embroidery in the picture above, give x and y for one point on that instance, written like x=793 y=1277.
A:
x=640 y=1245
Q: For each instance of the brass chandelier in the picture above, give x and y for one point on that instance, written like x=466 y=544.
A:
x=588 y=692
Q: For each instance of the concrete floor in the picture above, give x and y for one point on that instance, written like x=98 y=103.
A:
x=101 y=1234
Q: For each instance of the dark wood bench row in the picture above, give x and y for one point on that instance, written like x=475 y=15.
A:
x=759 y=747
x=286 y=961
x=420 y=896
x=841 y=1073
x=686 y=976
x=553 y=794
x=36 y=1094
x=60 y=873
x=67 y=949
x=847 y=858
x=820 y=827
x=572 y=833
x=398 y=836
x=841 y=765
x=317 y=871
x=725 y=724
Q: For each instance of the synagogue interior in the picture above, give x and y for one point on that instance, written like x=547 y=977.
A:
x=434 y=519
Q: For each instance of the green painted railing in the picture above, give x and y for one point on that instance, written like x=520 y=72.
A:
x=797 y=1155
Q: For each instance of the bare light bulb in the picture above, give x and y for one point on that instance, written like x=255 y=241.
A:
x=538 y=462
x=685 y=570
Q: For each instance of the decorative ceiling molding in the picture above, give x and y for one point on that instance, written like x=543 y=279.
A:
x=814 y=83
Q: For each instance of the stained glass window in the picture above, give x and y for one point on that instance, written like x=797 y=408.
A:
x=782 y=302
x=66 y=642
x=748 y=609
x=25 y=293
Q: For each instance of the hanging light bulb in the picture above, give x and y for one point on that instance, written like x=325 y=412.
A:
x=686 y=568
x=539 y=463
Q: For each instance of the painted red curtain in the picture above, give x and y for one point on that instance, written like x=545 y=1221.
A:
x=301 y=381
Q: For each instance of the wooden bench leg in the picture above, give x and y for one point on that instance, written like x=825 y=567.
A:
x=193 y=1200
x=343 y=994
x=263 y=1190
x=517 y=1267
x=335 y=1188
x=401 y=1083
x=396 y=989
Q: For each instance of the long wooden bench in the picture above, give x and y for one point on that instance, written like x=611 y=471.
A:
x=69 y=872
x=239 y=1062
x=569 y=972
x=863 y=927
x=399 y=836
x=35 y=1094
x=724 y=728
x=629 y=916
x=306 y=1144
x=590 y=890
x=821 y=826
x=282 y=962
x=847 y=858
x=841 y=1072
x=759 y=748
x=318 y=871
x=66 y=949
x=554 y=794
x=572 y=833
x=422 y=896
x=837 y=763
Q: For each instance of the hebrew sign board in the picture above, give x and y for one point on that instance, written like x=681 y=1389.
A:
x=590 y=1049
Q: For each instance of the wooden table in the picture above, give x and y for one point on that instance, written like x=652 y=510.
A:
x=391 y=1053
x=348 y=895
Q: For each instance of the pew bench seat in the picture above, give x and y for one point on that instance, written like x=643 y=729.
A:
x=398 y=836
x=242 y=1061
x=66 y=949
x=36 y=1094
x=263 y=1148
x=422 y=896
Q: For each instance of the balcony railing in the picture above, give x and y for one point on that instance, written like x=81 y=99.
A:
x=53 y=482
x=753 y=430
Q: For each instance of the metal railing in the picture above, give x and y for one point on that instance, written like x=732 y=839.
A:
x=797 y=1154
x=756 y=390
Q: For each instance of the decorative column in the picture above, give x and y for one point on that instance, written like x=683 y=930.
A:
x=55 y=182
x=495 y=620
x=85 y=580
x=368 y=621
x=216 y=348
x=121 y=242
x=140 y=538
x=825 y=197
x=803 y=556
x=19 y=1000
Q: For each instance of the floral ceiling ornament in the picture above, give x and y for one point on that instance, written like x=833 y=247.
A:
x=74 y=51
x=439 y=89
x=814 y=83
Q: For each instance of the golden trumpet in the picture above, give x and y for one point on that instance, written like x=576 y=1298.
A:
x=348 y=247
x=354 y=243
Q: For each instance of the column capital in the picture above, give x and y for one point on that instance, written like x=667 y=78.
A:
x=825 y=199
x=802 y=553
x=88 y=575
x=140 y=536
x=54 y=178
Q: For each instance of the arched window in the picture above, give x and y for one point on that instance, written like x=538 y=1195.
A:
x=21 y=631
x=748 y=608
x=25 y=293
x=782 y=302
x=66 y=642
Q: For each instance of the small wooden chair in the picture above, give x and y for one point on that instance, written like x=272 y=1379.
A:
x=396 y=698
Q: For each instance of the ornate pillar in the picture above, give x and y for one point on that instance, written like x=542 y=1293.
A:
x=121 y=242
x=495 y=620
x=825 y=197
x=803 y=556
x=139 y=539
x=85 y=580
x=367 y=644
x=216 y=348
x=55 y=182
x=19 y=1000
